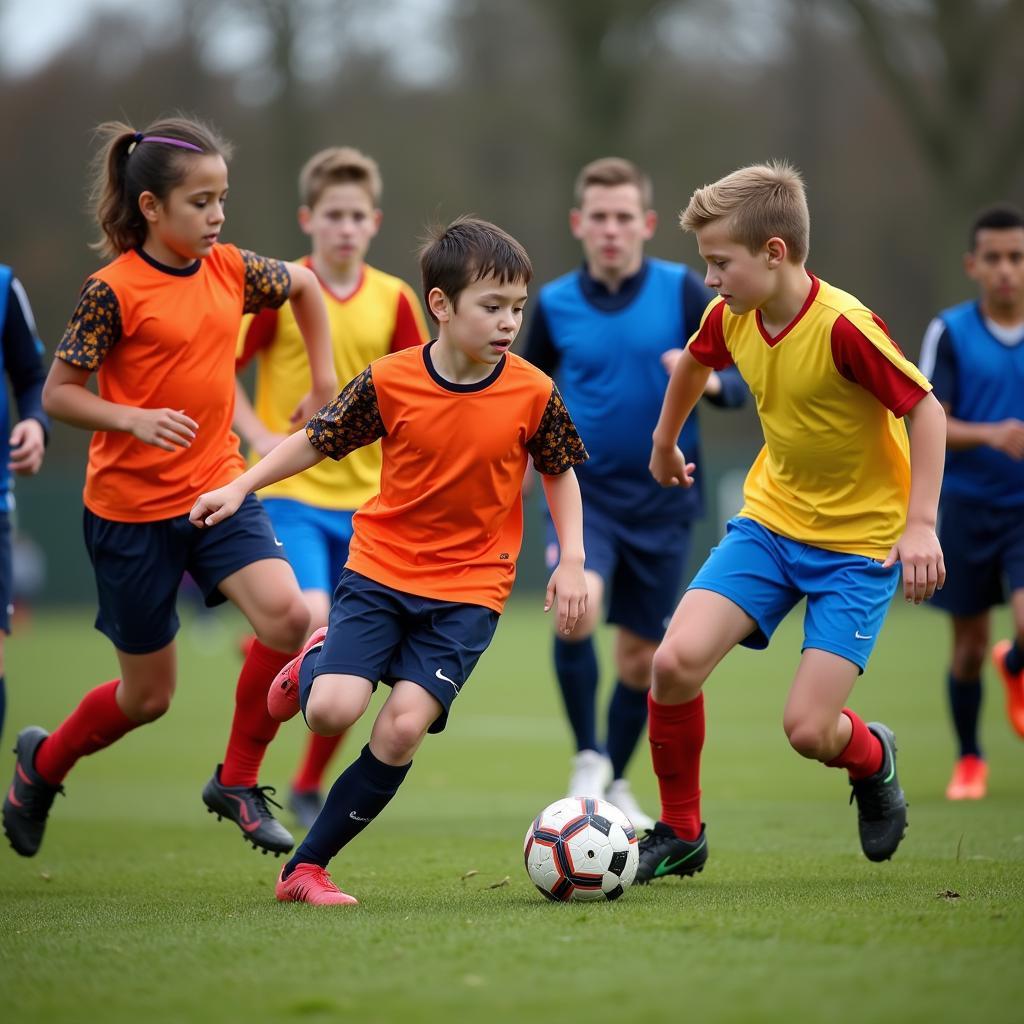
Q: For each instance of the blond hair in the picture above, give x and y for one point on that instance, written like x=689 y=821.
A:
x=339 y=165
x=759 y=202
x=610 y=171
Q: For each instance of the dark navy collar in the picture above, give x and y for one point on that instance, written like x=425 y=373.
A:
x=188 y=271
x=461 y=389
x=597 y=293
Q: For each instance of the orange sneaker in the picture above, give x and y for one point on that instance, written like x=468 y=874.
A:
x=283 y=695
x=1014 y=684
x=970 y=779
x=310 y=883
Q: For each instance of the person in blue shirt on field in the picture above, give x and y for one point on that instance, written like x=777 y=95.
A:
x=610 y=332
x=974 y=355
x=21 y=450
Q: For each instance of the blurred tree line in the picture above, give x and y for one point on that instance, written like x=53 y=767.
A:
x=905 y=116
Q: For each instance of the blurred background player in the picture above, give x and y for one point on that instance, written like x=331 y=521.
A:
x=974 y=355
x=433 y=556
x=159 y=325
x=371 y=314
x=610 y=332
x=21 y=451
x=836 y=498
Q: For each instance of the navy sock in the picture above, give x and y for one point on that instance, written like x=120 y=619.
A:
x=3 y=703
x=358 y=795
x=1015 y=656
x=965 y=703
x=306 y=677
x=576 y=668
x=627 y=717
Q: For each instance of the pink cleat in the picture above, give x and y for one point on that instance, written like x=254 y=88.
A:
x=283 y=695
x=1014 y=684
x=310 y=883
x=970 y=776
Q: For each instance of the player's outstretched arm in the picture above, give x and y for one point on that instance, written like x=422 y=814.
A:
x=685 y=386
x=311 y=316
x=567 y=586
x=293 y=455
x=65 y=397
x=918 y=549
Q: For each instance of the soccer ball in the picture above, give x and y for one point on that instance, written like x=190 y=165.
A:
x=581 y=848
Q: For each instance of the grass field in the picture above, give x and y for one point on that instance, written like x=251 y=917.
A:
x=140 y=907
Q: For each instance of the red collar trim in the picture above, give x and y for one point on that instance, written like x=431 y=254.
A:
x=811 y=296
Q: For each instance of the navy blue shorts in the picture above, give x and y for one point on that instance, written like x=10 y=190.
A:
x=385 y=635
x=139 y=567
x=6 y=573
x=767 y=574
x=983 y=548
x=642 y=566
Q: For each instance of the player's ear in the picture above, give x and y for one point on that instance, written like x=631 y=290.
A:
x=576 y=222
x=149 y=206
x=650 y=223
x=775 y=249
x=305 y=216
x=438 y=304
x=970 y=265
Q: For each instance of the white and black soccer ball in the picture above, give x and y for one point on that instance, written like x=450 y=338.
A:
x=581 y=848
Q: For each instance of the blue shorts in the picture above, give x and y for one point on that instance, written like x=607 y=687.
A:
x=385 y=635
x=642 y=565
x=315 y=540
x=139 y=567
x=6 y=573
x=767 y=574
x=983 y=548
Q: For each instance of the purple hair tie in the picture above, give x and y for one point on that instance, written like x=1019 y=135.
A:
x=171 y=142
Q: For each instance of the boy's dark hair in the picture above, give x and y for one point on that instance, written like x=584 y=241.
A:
x=995 y=218
x=131 y=162
x=339 y=165
x=466 y=250
x=610 y=171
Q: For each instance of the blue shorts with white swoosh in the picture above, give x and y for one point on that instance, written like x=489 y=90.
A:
x=385 y=635
x=766 y=574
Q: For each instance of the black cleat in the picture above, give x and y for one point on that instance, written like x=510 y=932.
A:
x=305 y=804
x=247 y=807
x=663 y=853
x=881 y=805
x=28 y=801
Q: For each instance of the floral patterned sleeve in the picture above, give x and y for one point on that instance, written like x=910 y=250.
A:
x=267 y=282
x=350 y=421
x=94 y=327
x=556 y=446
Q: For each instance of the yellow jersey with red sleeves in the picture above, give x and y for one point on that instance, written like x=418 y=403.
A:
x=831 y=391
x=448 y=521
x=382 y=315
x=162 y=337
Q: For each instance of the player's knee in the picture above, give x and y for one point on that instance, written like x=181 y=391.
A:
x=677 y=672
x=811 y=739
x=287 y=627
x=326 y=715
x=969 y=660
x=403 y=733
x=149 y=707
x=635 y=669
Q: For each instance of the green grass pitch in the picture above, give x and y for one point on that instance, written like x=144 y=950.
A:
x=141 y=908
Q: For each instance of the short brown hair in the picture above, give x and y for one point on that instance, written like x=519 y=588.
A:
x=465 y=251
x=610 y=171
x=761 y=201
x=338 y=165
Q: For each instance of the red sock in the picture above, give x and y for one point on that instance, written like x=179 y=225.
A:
x=676 y=733
x=96 y=723
x=311 y=771
x=252 y=728
x=863 y=755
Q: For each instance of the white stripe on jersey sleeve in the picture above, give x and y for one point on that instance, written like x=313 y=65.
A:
x=930 y=347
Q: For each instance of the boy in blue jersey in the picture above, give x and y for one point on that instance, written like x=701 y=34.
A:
x=974 y=355
x=21 y=451
x=610 y=332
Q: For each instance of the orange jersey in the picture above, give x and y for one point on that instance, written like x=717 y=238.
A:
x=380 y=316
x=448 y=521
x=166 y=338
